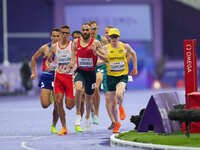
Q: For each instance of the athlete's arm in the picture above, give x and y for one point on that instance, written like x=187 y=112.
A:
x=100 y=51
x=134 y=57
x=52 y=51
x=36 y=55
x=74 y=49
x=104 y=41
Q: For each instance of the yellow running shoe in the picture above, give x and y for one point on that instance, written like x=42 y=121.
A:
x=63 y=131
x=53 y=129
x=78 y=128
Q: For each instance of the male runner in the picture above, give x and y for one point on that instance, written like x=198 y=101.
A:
x=47 y=78
x=100 y=73
x=117 y=74
x=86 y=50
x=75 y=35
x=63 y=83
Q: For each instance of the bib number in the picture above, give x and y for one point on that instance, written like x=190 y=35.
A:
x=117 y=66
x=85 y=62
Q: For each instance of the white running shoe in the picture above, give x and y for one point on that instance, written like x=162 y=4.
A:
x=87 y=124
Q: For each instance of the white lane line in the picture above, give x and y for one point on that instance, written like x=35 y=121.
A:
x=24 y=143
x=8 y=137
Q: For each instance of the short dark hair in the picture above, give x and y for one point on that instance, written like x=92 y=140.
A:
x=92 y=22
x=86 y=24
x=110 y=27
x=55 y=29
x=64 y=27
x=76 y=32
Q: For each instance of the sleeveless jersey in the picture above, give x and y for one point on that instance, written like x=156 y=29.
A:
x=99 y=38
x=52 y=61
x=86 y=60
x=63 y=58
x=117 y=64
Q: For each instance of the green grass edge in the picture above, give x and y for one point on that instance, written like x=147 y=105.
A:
x=175 y=139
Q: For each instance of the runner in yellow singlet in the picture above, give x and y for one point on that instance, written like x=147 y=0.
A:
x=117 y=74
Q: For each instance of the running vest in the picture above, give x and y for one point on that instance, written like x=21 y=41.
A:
x=117 y=63
x=99 y=38
x=63 y=58
x=86 y=60
x=52 y=61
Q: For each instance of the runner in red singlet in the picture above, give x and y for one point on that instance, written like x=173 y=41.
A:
x=86 y=50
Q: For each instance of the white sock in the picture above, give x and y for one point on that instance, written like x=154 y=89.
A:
x=78 y=120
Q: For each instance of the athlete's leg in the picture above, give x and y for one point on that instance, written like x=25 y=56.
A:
x=55 y=118
x=77 y=99
x=55 y=114
x=82 y=97
x=78 y=86
x=45 y=97
x=110 y=103
x=88 y=101
x=96 y=100
x=120 y=88
x=109 y=110
x=59 y=102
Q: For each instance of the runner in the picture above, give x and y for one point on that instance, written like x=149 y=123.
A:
x=86 y=50
x=75 y=35
x=128 y=56
x=100 y=70
x=117 y=74
x=63 y=83
x=46 y=78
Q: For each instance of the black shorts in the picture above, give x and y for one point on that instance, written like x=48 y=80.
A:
x=88 y=79
x=112 y=81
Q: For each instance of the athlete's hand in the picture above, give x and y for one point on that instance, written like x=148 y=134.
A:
x=33 y=76
x=134 y=72
x=47 y=68
x=71 y=65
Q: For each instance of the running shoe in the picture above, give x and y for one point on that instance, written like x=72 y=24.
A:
x=63 y=131
x=53 y=129
x=95 y=119
x=87 y=124
x=111 y=126
x=78 y=128
x=116 y=128
x=122 y=113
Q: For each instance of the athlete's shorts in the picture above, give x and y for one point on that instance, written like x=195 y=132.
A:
x=102 y=68
x=63 y=83
x=88 y=79
x=46 y=80
x=112 y=81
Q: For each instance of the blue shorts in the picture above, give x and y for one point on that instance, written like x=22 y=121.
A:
x=47 y=80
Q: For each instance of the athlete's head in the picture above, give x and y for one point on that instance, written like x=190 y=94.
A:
x=85 y=30
x=76 y=34
x=114 y=35
x=94 y=28
x=65 y=32
x=55 y=35
x=106 y=31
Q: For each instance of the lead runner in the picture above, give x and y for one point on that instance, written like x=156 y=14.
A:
x=86 y=50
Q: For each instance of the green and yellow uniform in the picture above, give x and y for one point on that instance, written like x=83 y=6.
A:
x=117 y=66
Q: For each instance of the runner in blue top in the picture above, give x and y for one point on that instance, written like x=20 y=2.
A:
x=47 y=77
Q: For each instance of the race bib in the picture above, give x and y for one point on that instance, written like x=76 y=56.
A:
x=117 y=66
x=85 y=62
